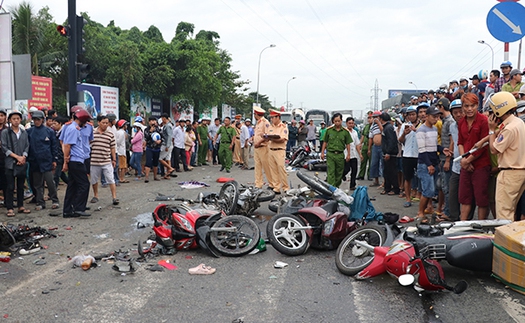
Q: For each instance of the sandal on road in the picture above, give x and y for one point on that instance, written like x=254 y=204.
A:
x=201 y=269
x=24 y=210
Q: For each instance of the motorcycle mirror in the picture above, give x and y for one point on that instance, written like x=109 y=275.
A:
x=406 y=279
x=460 y=287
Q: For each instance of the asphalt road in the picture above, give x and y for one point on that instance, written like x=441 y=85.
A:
x=310 y=289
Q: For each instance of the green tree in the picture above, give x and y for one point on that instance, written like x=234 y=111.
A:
x=27 y=33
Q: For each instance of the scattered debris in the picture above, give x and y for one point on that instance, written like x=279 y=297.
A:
x=193 y=184
x=279 y=265
x=155 y=267
x=83 y=261
x=166 y=264
x=39 y=262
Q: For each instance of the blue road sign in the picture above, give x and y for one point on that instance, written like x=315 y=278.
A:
x=506 y=21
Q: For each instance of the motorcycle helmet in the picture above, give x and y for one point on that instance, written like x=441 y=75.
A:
x=76 y=108
x=112 y=117
x=501 y=102
x=121 y=123
x=139 y=119
x=483 y=74
x=411 y=108
x=505 y=64
x=455 y=104
x=82 y=115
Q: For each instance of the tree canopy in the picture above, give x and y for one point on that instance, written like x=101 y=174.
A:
x=192 y=67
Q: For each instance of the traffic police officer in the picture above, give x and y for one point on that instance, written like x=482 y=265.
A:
x=506 y=138
x=260 y=155
x=336 y=140
x=227 y=134
x=277 y=137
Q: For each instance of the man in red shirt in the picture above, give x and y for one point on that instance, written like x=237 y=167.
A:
x=475 y=169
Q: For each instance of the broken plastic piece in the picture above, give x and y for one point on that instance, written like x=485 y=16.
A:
x=167 y=265
x=279 y=264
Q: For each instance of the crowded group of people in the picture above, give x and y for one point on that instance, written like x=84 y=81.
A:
x=417 y=149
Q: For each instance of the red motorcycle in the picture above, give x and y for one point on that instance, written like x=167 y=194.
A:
x=180 y=227
x=413 y=256
x=321 y=223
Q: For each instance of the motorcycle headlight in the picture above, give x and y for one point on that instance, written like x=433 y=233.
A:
x=328 y=226
x=187 y=225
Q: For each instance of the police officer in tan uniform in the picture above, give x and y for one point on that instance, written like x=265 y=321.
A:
x=260 y=155
x=506 y=138
x=277 y=137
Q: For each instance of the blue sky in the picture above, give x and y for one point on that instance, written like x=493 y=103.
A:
x=336 y=49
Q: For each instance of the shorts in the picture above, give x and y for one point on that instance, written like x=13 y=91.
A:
x=122 y=162
x=152 y=158
x=427 y=180
x=492 y=188
x=474 y=185
x=165 y=155
x=210 y=145
x=98 y=170
x=409 y=168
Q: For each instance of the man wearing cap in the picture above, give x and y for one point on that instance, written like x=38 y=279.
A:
x=513 y=86
x=337 y=140
x=75 y=143
x=227 y=133
x=202 y=132
x=445 y=161
x=365 y=158
x=15 y=146
x=245 y=144
x=292 y=135
x=277 y=152
x=374 y=148
x=428 y=159
x=260 y=154
x=505 y=67
x=42 y=157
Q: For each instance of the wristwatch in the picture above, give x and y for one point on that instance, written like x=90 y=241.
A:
x=491 y=132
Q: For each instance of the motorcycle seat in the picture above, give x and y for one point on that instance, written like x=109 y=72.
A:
x=330 y=207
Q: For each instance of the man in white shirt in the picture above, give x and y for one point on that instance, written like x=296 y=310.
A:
x=245 y=144
x=351 y=165
x=407 y=136
x=178 y=147
x=121 y=150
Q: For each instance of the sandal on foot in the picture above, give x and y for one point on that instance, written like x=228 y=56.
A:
x=391 y=193
x=383 y=193
x=116 y=201
x=156 y=179
x=55 y=206
x=407 y=204
x=24 y=210
x=201 y=269
x=11 y=213
x=94 y=200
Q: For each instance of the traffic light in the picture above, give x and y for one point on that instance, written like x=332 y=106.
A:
x=83 y=72
x=63 y=30
x=81 y=22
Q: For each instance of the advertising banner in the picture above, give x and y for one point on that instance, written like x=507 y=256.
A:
x=42 y=89
x=143 y=105
x=99 y=99
x=181 y=110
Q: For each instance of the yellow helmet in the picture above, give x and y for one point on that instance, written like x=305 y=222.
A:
x=501 y=103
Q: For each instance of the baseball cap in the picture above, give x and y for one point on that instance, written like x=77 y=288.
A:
x=413 y=97
x=463 y=79
x=475 y=77
x=444 y=102
x=432 y=111
x=515 y=72
x=521 y=106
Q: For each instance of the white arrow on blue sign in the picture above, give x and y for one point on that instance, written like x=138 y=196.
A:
x=506 y=21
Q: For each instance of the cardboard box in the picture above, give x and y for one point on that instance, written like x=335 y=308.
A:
x=508 y=263
x=511 y=237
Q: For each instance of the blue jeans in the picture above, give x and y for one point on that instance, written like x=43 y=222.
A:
x=427 y=180
x=135 y=162
x=376 y=164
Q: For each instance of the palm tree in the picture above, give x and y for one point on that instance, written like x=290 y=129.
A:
x=27 y=33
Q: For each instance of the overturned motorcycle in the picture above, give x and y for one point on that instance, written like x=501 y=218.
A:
x=413 y=257
x=180 y=227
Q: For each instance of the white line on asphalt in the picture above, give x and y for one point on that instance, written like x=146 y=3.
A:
x=511 y=305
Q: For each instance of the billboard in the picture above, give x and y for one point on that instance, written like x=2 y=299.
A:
x=143 y=105
x=181 y=109
x=42 y=95
x=394 y=93
x=99 y=99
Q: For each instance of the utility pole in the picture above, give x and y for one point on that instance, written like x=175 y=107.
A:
x=72 y=52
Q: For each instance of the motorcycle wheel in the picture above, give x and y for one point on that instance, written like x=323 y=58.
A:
x=350 y=258
x=284 y=238
x=228 y=197
x=238 y=243
x=265 y=195
x=315 y=184
x=6 y=238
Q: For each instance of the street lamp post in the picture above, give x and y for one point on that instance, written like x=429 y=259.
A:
x=414 y=84
x=492 y=49
x=259 y=70
x=287 y=102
